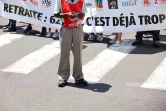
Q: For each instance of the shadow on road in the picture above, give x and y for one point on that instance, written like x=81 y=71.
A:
x=147 y=48
x=18 y=27
x=96 y=87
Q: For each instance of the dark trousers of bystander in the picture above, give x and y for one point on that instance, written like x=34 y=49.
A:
x=12 y=24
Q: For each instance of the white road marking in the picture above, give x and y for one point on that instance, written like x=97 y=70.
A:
x=8 y=38
x=35 y=59
x=158 y=78
x=99 y=66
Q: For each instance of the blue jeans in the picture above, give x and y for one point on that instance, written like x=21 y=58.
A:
x=12 y=23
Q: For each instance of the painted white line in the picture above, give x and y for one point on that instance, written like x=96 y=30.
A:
x=8 y=38
x=99 y=66
x=35 y=59
x=158 y=78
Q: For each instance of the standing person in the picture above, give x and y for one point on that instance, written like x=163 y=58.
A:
x=117 y=40
x=11 y=27
x=71 y=34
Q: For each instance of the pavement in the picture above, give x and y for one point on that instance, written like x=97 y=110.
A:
x=125 y=78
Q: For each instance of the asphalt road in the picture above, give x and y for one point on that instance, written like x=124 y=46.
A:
x=120 y=79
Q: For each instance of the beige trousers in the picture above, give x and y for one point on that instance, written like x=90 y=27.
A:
x=71 y=38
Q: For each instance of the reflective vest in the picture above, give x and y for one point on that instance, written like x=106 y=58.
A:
x=72 y=8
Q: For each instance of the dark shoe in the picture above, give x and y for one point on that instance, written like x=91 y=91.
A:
x=156 y=44
x=44 y=31
x=137 y=42
x=28 y=30
x=81 y=82
x=62 y=83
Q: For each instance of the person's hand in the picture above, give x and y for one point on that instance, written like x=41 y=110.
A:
x=70 y=15
x=81 y=15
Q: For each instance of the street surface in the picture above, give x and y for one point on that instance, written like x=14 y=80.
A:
x=125 y=78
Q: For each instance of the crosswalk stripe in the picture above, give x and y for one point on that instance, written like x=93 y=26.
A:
x=106 y=60
x=158 y=78
x=34 y=59
x=8 y=38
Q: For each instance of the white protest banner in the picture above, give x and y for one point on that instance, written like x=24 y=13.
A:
x=125 y=15
x=38 y=12
x=103 y=15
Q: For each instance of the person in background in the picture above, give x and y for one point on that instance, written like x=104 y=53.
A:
x=117 y=40
x=55 y=35
x=11 y=27
x=29 y=30
x=139 y=36
x=92 y=37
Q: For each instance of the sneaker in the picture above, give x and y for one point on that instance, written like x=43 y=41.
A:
x=28 y=30
x=62 y=83
x=112 y=41
x=156 y=44
x=117 y=44
x=81 y=82
x=55 y=35
x=99 y=38
x=48 y=34
x=147 y=34
x=137 y=42
x=44 y=31
x=91 y=37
